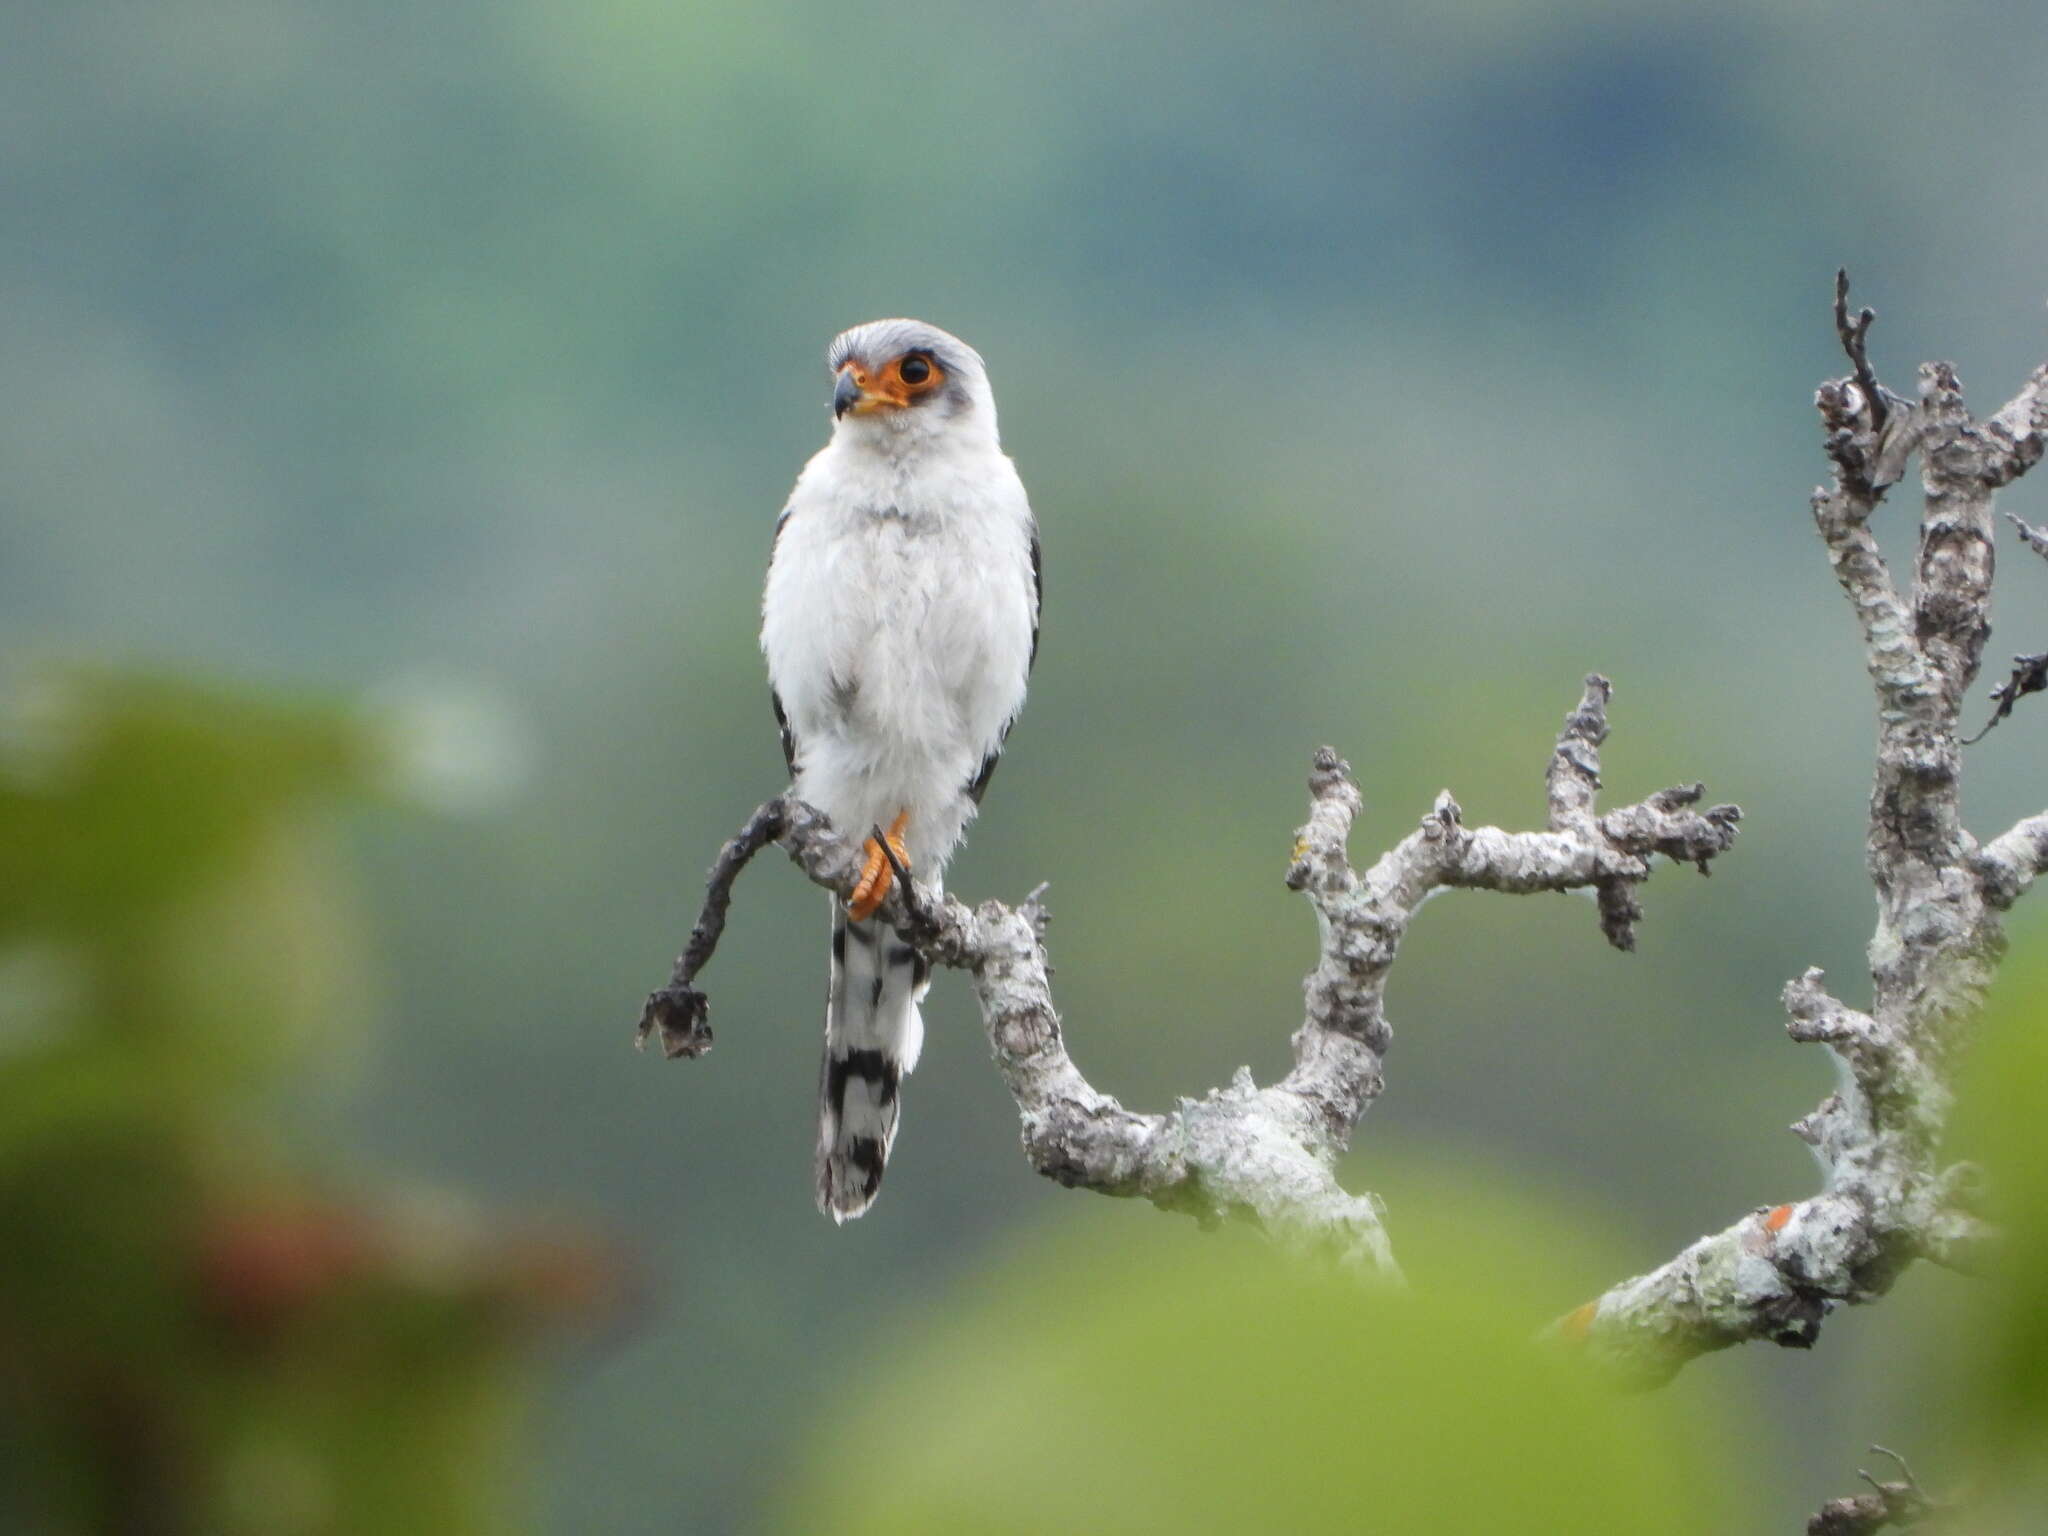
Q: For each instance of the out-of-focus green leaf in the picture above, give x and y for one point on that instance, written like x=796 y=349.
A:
x=1998 y=1371
x=168 y=936
x=1152 y=1380
x=117 y=792
x=195 y=1334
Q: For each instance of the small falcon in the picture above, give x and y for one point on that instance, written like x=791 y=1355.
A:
x=900 y=624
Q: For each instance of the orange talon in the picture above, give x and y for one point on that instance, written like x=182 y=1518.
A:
x=875 y=875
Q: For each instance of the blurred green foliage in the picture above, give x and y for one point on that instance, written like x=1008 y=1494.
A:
x=1988 y=1363
x=203 y=1328
x=1114 y=1380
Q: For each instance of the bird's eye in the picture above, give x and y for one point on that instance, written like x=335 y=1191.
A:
x=915 y=370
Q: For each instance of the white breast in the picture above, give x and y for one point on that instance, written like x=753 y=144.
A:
x=897 y=626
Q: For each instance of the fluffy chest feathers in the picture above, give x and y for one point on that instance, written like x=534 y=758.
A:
x=897 y=624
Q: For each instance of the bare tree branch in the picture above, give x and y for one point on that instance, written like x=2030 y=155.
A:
x=2007 y=865
x=2012 y=861
x=1869 y=437
x=1961 y=464
x=1901 y=1503
x=679 y=1013
x=2034 y=538
x=2029 y=675
x=1265 y=1154
x=1854 y=337
x=2029 y=672
x=1886 y=1200
x=2018 y=436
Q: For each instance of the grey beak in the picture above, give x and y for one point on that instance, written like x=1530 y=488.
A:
x=844 y=394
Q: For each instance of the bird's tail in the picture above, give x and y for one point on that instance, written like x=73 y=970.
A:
x=872 y=1036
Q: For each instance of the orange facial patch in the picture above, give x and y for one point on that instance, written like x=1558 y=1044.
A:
x=1775 y=1222
x=886 y=389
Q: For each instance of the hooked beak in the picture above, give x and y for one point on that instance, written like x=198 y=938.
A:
x=860 y=393
x=846 y=394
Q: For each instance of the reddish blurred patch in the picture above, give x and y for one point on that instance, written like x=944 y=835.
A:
x=260 y=1266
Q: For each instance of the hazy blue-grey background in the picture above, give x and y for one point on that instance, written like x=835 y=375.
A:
x=1376 y=372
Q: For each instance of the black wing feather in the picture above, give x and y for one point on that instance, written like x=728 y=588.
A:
x=978 y=786
x=1037 y=598
x=774 y=698
x=782 y=724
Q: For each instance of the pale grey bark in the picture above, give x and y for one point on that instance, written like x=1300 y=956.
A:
x=1886 y=1199
x=1899 y=1503
x=1267 y=1154
x=2012 y=861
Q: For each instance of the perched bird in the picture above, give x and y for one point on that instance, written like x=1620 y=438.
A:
x=900 y=624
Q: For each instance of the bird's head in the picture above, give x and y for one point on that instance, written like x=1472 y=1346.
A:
x=897 y=382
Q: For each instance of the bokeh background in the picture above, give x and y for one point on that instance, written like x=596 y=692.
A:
x=1375 y=371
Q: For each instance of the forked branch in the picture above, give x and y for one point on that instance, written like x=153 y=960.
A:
x=1265 y=1154
x=1886 y=1199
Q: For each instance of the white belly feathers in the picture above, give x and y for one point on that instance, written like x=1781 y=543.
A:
x=897 y=627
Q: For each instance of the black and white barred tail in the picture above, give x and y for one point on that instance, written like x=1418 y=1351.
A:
x=872 y=1035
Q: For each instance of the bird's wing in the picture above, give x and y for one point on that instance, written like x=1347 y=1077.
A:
x=774 y=698
x=782 y=724
x=1037 y=599
x=978 y=786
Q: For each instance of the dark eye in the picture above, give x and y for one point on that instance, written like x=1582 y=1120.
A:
x=915 y=370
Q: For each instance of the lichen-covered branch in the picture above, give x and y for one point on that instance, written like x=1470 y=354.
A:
x=1870 y=436
x=2012 y=861
x=1266 y=1154
x=1886 y=1199
x=2034 y=538
x=1863 y=1514
x=1899 y=1503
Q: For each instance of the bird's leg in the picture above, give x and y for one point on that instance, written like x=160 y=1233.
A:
x=875 y=875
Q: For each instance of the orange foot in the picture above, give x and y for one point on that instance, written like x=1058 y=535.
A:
x=876 y=876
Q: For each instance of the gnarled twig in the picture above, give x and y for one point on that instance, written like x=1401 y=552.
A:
x=1267 y=1154
x=1900 y=1502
